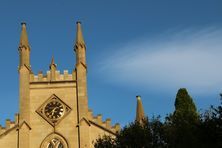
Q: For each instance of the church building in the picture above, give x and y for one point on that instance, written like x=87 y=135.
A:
x=53 y=107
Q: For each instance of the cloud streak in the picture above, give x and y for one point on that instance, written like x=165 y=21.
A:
x=188 y=58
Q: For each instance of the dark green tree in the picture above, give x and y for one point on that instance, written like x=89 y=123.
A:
x=157 y=133
x=181 y=127
x=135 y=135
x=184 y=128
x=211 y=127
x=185 y=108
x=105 y=142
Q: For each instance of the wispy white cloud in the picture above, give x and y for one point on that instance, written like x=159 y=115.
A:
x=188 y=58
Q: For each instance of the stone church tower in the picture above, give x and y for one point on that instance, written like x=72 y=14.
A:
x=53 y=108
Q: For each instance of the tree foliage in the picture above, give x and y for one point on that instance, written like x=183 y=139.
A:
x=185 y=109
x=105 y=142
x=211 y=127
x=128 y=138
x=184 y=128
x=181 y=127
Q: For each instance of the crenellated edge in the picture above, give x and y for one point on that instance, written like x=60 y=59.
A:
x=9 y=124
x=65 y=76
x=97 y=120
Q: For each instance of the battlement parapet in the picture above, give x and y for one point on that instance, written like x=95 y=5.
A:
x=90 y=114
x=56 y=77
x=99 y=119
x=9 y=124
x=106 y=124
x=116 y=127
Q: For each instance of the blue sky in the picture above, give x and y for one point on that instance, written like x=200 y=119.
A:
x=134 y=47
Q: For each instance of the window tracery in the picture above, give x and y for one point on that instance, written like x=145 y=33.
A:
x=54 y=141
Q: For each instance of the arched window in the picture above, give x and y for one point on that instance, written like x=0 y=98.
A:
x=54 y=141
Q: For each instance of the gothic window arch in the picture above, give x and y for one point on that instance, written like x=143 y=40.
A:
x=54 y=141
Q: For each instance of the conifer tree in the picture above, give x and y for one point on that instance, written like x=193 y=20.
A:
x=185 y=109
x=182 y=125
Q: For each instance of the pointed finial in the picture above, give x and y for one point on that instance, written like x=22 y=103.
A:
x=52 y=63
x=24 y=37
x=79 y=35
x=139 y=110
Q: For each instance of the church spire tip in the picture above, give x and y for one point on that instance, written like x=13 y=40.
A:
x=52 y=63
x=138 y=98
x=23 y=23
x=139 y=110
x=79 y=36
x=24 y=37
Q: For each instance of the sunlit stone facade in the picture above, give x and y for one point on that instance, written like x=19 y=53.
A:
x=53 y=107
